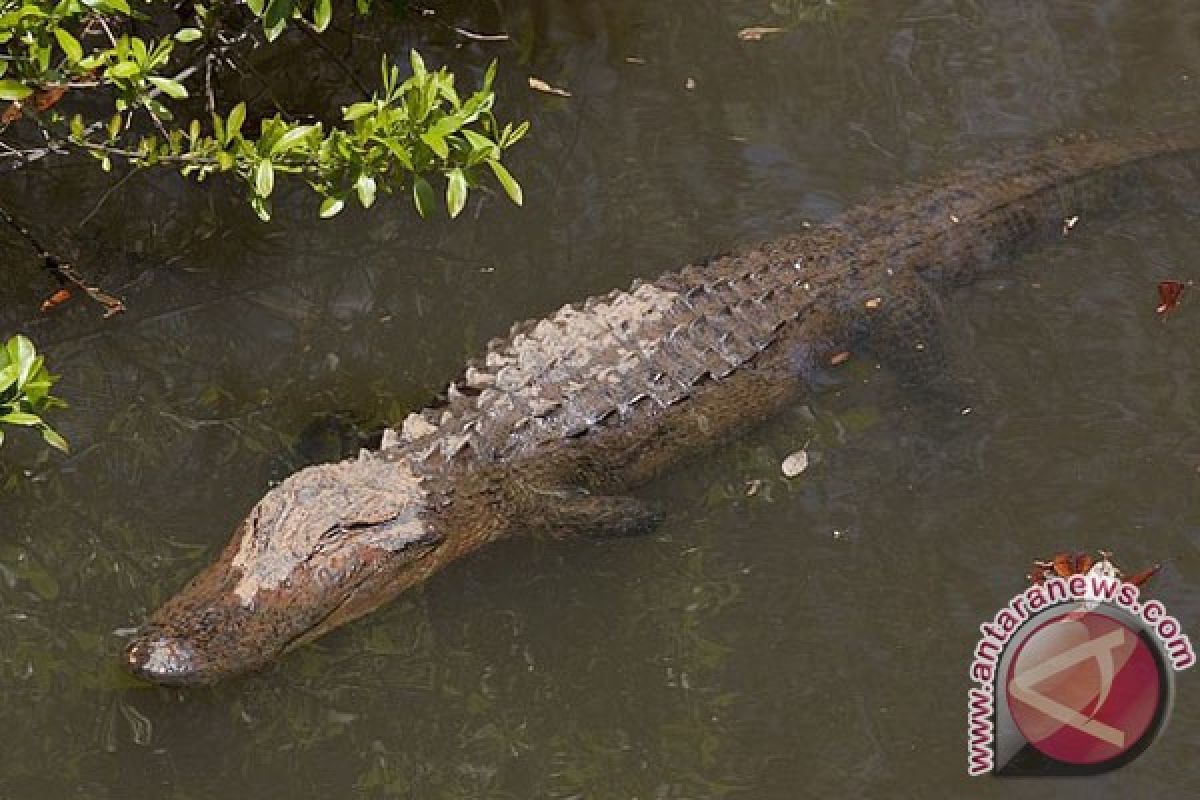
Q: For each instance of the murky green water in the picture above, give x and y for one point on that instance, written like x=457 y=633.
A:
x=811 y=640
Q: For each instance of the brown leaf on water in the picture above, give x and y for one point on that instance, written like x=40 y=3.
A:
x=55 y=300
x=756 y=34
x=839 y=358
x=1169 y=295
x=539 y=85
x=1145 y=575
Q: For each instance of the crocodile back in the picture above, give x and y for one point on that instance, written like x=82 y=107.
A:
x=597 y=362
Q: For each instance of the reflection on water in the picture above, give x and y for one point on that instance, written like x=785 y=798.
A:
x=802 y=639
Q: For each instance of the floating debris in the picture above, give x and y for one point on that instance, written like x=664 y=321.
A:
x=539 y=85
x=794 y=464
x=1064 y=565
x=1169 y=295
x=756 y=34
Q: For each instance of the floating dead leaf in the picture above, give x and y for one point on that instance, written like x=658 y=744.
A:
x=1169 y=295
x=1069 y=224
x=794 y=464
x=55 y=300
x=1140 y=578
x=756 y=34
x=539 y=85
x=839 y=358
x=874 y=303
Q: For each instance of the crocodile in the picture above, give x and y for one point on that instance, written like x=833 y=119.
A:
x=554 y=426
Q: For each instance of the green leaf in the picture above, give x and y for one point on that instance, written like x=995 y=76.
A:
x=69 y=44
x=418 y=64
x=322 y=14
x=234 y=124
x=401 y=153
x=456 y=192
x=516 y=135
x=14 y=90
x=23 y=354
x=482 y=148
x=186 y=35
x=169 y=87
x=353 y=112
x=256 y=6
x=292 y=138
x=422 y=196
x=21 y=418
x=123 y=69
x=262 y=207
x=365 y=186
x=264 y=178
x=276 y=18
x=511 y=187
x=331 y=207
x=53 y=439
x=436 y=143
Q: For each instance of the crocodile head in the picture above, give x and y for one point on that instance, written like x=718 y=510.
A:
x=327 y=545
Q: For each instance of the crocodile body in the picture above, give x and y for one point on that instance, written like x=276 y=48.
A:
x=551 y=428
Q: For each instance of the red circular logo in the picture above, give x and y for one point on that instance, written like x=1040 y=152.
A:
x=1083 y=688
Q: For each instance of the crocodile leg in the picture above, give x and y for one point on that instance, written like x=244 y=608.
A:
x=906 y=332
x=574 y=511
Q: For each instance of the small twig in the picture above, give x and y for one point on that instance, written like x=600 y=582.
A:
x=63 y=271
x=463 y=32
x=479 y=37
x=104 y=197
